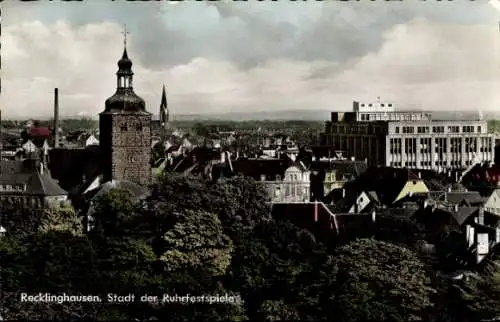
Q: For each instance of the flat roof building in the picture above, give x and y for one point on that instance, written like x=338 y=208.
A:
x=412 y=139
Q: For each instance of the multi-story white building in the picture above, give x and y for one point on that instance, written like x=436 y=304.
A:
x=384 y=136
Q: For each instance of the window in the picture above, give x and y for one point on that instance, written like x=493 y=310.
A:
x=478 y=129
x=397 y=129
x=138 y=127
x=382 y=105
x=390 y=105
x=123 y=127
x=370 y=105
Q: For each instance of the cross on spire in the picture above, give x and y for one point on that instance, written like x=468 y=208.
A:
x=125 y=33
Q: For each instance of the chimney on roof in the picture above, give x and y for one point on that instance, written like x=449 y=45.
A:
x=420 y=175
x=374 y=215
x=56 y=117
x=449 y=188
x=343 y=193
x=481 y=216
x=456 y=207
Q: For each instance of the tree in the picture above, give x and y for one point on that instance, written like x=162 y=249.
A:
x=277 y=311
x=377 y=281
x=273 y=266
x=56 y=262
x=401 y=231
x=240 y=203
x=200 y=129
x=20 y=221
x=196 y=242
x=115 y=214
x=476 y=298
x=61 y=217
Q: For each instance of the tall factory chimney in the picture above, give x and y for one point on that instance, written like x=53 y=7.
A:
x=56 y=117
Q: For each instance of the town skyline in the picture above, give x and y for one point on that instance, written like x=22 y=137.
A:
x=284 y=57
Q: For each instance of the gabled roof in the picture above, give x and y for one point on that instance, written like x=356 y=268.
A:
x=458 y=197
x=463 y=213
x=39 y=184
x=255 y=168
x=386 y=182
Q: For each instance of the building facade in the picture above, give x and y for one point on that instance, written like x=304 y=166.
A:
x=125 y=132
x=384 y=136
x=293 y=187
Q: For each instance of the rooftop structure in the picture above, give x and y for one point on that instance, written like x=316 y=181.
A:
x=388 y=137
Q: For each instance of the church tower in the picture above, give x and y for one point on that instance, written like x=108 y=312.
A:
x=125 y=131
x=164 y=112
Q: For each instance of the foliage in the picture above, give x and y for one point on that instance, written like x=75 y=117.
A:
x=402 y=231
x=190 y=237
x=389 y=284
x=277 y=311
x=239 y=203
x=477 y=297
x=20 y=221
x=274 y=264
x=114 y=213
x=196 y=242
x=61 y=217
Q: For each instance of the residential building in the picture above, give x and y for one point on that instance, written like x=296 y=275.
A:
x=411 y=139
x=28 y=184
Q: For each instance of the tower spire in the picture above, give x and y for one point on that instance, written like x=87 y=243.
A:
x=164 y=113
x=125 y=33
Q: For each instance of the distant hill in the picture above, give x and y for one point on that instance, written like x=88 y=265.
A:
x=320 y=115
x=306 y=115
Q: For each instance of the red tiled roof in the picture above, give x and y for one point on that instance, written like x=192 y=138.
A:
x=40 y=131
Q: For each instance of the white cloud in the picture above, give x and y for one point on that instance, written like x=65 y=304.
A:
x=437 y=66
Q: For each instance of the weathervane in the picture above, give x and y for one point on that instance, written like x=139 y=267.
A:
x=125 y=32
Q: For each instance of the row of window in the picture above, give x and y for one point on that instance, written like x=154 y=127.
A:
x=390 y=117
x=16 y=187
x=438 y=129
x=27 y=201
x=441 y=145
x=455 y=163
x=293 y=177
x=381 y=105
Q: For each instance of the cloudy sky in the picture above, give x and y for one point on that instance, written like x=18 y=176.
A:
x=221 y=57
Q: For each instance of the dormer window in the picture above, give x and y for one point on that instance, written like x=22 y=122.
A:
x=262 y=177
x=278 y=177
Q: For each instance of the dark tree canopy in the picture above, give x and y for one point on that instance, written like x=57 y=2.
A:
x=379 y=281
x=191 y=237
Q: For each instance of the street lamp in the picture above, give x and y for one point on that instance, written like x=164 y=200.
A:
x=2 y=231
